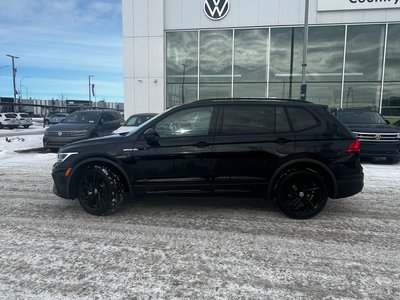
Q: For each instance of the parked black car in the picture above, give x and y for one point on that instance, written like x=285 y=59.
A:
x=377 y=137
x=80 y=125
x=295 y=152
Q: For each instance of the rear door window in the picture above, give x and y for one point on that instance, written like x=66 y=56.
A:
x=254 y=119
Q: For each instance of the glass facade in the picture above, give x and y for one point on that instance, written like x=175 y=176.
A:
x=347 y=65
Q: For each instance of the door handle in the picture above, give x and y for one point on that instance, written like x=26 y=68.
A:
x=281 y=141
x=202 y=144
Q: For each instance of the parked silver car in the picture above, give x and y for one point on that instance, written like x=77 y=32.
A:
x=24 y=119
x=8 y=120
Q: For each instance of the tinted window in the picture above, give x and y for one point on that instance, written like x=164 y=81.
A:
x=108 y=117
x=189 y=122
x=83 y=117
x=254 y=119
x=301 y=119
x=360 y=117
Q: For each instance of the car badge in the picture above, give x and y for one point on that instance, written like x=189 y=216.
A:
x=59 y=133
x=378 y=137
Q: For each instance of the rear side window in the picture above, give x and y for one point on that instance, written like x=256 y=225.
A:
x=301 y=119
x=254 y=119
x=108 y=117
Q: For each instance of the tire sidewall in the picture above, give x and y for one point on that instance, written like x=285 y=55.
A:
x=281 y=193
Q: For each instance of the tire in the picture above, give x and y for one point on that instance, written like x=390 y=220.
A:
x=100 y=190
x=26 y=126
x=301 y=194
x=392 y=160
x=1 y=126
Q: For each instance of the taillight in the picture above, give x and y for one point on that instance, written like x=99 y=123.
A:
x=354 y=147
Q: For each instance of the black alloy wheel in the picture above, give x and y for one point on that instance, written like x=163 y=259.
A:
x=301 y=194
x=100 y=190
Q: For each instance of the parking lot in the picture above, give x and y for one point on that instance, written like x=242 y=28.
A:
x=195 y=247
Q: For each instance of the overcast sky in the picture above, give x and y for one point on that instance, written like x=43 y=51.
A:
x=59 y=44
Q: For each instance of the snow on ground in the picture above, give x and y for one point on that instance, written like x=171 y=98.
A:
x=192 y=248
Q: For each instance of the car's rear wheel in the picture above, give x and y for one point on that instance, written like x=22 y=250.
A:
x=301 y=194
x=1 y=126
x=100 y=190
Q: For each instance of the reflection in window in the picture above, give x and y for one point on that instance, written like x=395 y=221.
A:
x=251 y=47
x=215 y=63
x=325 y=54
x=391 y=88
x=361 y=94
x=250 y=67
x=190 y=122
x=326 y=93
x=364 y=53
x=182 y=66
x=215 y=90
x=286 y=56
x=364 y=58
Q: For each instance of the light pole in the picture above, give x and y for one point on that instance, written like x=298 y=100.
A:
x=20 y=83
x=14 y=72
x=303 y=90
x=90 y=92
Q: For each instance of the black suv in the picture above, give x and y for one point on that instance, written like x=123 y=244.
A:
x=294 y=152
x=377 y=137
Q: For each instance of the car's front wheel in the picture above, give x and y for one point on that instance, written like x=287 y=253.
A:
x=100 y=190
x=301 y=194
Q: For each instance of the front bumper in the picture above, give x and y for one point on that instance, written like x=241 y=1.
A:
x=60 y=182
x=59 y=141
x=380 y=149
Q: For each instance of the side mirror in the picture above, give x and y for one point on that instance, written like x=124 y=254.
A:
x=150 y=135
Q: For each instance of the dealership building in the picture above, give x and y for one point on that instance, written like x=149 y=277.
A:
x=178 y=51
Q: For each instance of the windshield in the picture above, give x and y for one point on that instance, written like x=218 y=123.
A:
x=360 y=117
x=87 y=117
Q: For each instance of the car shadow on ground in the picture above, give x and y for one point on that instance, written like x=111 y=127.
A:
x=203 y=203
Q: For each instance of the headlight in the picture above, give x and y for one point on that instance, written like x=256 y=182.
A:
x=61 y=156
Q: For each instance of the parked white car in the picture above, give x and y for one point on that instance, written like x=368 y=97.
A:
x=24 y=119
x=8 y=120
x=134 y=121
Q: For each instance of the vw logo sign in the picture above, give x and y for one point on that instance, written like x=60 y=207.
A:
x=60 y=133
x=216 y=9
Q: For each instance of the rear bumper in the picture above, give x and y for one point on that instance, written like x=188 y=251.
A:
x=350 y=187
